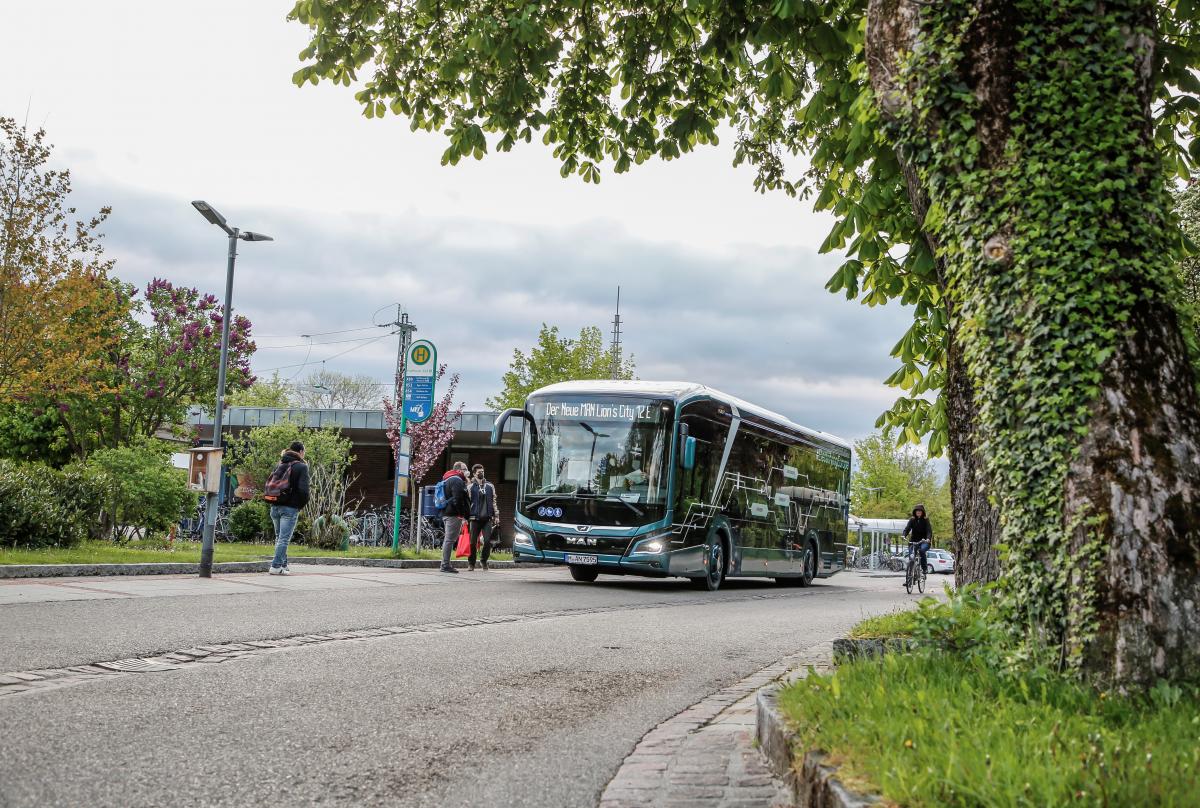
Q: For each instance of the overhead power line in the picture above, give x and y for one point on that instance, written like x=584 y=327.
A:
x=335 y=356
x=315 y=333
x=306 y=344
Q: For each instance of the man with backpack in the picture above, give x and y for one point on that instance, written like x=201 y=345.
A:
x=455 y=512
x=287 y=492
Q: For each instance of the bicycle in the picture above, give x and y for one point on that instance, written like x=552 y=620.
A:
x=914 y=576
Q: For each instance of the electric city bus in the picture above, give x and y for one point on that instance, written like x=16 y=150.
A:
x=676 y=479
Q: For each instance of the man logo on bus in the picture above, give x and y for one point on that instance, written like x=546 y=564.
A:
x=420 y=354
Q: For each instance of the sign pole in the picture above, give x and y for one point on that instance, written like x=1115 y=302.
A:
x=420 y=377
x=406 y=331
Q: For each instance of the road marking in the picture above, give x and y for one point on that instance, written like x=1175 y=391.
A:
x=24 y=682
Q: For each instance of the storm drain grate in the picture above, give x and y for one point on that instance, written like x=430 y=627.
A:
x=138 y=665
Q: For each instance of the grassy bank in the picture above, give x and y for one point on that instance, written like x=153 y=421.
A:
x=937 y=728
x=103 y=552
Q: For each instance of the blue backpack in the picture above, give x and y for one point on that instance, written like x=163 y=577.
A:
x=439 y=496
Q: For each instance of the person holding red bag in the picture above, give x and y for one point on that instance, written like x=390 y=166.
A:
x=456 y=512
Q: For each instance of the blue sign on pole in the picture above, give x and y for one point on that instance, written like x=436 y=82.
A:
x=419 y=381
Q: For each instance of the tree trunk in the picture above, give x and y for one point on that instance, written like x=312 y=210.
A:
x=1139 y=469
x=976 y=520
x=1076 y=392
x=890 y=32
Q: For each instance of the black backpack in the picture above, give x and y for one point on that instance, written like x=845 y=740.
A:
x=279 y=484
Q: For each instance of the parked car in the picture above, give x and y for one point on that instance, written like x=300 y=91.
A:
x=940 y=561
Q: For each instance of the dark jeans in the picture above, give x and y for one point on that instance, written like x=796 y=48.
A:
x=480 y=527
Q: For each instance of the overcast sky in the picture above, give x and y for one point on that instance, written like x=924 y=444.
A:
x=153 y=104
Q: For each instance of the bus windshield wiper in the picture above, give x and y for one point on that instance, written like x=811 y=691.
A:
x=546 y=497
x=632 y=507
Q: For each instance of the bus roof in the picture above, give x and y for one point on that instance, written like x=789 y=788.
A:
x=680 y=391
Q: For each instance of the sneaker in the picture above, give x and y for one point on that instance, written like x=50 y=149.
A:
x=285 y=571
x=275 y=571
x=471 y=568
x=485 y=566
x=450 y=569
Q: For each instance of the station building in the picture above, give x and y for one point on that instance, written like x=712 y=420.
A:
x=374 y=465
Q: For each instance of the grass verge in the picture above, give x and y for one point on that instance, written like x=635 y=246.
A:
x=896 y=624
x=103 y=552
x=943 y=728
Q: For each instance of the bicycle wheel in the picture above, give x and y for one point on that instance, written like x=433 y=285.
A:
x=908 y=579
x=921 y=580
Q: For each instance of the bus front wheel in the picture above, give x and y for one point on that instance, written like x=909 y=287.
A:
x=584 y=574
x=712 y=581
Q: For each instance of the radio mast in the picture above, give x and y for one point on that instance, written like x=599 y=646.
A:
x=616 y=339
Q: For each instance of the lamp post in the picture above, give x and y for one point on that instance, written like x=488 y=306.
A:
x=592 y=456
x=210 y=513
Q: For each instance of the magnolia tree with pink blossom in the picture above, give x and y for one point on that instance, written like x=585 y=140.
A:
x=431 y=436
x=167 y=360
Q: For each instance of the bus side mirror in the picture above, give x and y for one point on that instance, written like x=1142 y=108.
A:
x=689 y=452
x=502 y=419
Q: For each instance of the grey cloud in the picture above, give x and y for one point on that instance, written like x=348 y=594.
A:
x=757 y=323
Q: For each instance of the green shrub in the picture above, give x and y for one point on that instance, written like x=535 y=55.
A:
x=141 y=492
x=329 y=533
x=250 y=521
x=38 y=507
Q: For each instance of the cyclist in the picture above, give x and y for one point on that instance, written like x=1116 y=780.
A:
x=919 y=534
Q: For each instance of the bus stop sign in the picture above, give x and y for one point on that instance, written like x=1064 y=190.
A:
x=420 y=374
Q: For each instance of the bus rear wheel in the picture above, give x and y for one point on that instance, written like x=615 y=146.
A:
x=716 y=568
x=584 y=574
x=810 y=565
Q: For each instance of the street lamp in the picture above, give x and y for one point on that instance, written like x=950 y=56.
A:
x=210 y=514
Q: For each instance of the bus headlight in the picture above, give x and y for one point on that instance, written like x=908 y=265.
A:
x=652 y=546
x=522 y=540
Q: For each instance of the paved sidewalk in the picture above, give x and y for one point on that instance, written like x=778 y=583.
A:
x=306 y=577
x=705 y=757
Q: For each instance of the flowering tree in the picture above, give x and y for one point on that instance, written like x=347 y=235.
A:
x=168 y=359
x=430 y=437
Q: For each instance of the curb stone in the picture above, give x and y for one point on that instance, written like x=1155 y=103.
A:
x=193 y=568
x=847 y=650
x=814 y=784
x=705 y=756
x=148 y=568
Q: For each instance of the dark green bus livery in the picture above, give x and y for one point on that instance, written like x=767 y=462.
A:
x=676 y=479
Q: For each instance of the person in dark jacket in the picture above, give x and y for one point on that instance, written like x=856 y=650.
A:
x=286 y=510
x=484 y=516
x=456 y=512
x=919 y=533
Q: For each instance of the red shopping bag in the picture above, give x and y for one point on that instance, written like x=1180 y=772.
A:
x=464 y=543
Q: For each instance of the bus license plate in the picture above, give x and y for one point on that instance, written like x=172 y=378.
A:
x=572 y=558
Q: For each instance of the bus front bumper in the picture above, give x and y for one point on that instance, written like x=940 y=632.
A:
x=653 y=564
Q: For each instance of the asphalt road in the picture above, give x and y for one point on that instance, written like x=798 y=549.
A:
x=539 y=711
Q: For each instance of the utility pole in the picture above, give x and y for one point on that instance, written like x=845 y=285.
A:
x=406 y=330
x=616 y=339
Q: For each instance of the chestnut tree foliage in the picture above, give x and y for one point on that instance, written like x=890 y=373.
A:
x=558 y=359
x=1001 y=166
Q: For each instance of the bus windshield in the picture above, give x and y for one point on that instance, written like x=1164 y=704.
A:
x=607 y=448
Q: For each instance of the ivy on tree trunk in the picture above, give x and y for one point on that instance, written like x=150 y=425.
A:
x=1028 y=126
